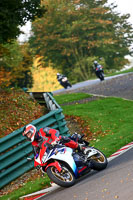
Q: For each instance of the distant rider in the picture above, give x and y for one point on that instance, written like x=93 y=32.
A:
x=60 y=77
x=63 y=80
x=97 y=68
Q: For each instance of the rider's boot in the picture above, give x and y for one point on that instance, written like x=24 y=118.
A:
x=83 y=149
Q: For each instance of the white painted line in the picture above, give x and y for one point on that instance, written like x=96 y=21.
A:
x=50 y=189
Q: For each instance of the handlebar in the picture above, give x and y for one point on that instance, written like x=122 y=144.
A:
x=82 y=136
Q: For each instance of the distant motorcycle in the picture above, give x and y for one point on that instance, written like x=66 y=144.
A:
x=99 y=72
x=64 y=165
x=63 y=80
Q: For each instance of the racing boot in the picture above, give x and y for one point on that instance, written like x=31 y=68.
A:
x=83 y=149
x=85 y=152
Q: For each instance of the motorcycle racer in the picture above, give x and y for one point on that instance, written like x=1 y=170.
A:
x=62 y=79
x=98 y=70
x=46 y=136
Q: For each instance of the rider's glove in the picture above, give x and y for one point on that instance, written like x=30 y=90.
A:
x=55 y=142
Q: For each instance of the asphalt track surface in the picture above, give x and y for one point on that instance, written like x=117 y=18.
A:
x=116 y=181
x=117 y=86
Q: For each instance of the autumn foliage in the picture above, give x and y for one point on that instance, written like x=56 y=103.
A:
x=45 y=80
x=71 y=33
x=16 y=110
x=44 y=76
x=15 y=66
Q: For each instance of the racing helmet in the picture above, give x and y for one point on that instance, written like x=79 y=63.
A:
x=95 y=62
x=29 y=132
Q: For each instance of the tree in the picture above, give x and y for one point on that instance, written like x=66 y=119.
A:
x=122 y=37
x=16 y=13
x=72 y=31
x=15 y=66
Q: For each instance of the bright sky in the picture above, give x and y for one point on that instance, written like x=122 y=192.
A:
x=124 y=7
x=26 y=29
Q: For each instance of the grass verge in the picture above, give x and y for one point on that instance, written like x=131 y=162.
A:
x=28 y=188
x=109 y=119
x=120 y=72
x=60 y=99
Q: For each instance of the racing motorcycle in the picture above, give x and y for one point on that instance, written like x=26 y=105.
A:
x=65 y=83
x=99 y=72
x=63 y=80
x=64 y=165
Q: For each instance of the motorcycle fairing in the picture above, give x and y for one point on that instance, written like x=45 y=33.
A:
x=55 y=164
x=64 y=154
x=92 y=151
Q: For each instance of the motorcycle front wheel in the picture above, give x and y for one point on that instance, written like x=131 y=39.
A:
x=65 y=178
x=101 y=77
x=98 y=161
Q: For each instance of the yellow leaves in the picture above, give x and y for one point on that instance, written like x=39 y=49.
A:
x=77 y=1
x=45 y=80
x=44 y=77
x=116 y=196
x=108 y=41
x=38 y=61
x=5 y=78
x=104 y=190
x=121 y=181
x=93 y=44
x=98 y=10
x=104 y=22
x=103 y=34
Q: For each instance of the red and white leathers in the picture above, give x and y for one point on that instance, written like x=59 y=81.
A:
x=48 y=135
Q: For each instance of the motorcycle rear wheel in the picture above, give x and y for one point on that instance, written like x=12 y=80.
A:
x=98 y=161
x=65 y=178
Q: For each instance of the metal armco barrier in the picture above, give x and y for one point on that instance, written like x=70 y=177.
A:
x=45 y=98
x=14 y=149
x=50 y=101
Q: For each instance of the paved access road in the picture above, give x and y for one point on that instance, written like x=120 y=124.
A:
x=115 y=182
x=118 y=86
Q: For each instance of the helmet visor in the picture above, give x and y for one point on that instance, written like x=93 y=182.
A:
x=28 y=134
